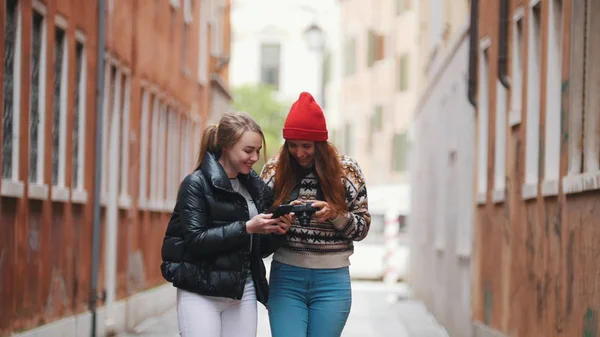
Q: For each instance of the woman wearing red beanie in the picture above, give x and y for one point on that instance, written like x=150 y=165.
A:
x=310 y=293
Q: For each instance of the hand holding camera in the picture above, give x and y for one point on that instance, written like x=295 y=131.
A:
x=325 y=212
x=266 y=224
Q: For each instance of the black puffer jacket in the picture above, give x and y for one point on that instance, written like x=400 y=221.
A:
x=206 y=249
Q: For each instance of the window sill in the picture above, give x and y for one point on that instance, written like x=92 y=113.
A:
x=38 y=191
x=498 y=195
x=514 y=118
x=124 y=201
x=60 y=194
x=577 y=183
x=529 y=191
x=463 y=254
x=142 y=205
x=481 y=198
x=169 y=206
x=154 y=206
x=12 y=188
x=550 y=188
x=79 y=196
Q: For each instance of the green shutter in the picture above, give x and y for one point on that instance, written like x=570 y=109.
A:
x=400 y=152
x=403 y=73
x=372 y=50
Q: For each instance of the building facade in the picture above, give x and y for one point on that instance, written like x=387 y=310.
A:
x=162 y=63
x=441 y=168
x=378 y=86
x=536 y=169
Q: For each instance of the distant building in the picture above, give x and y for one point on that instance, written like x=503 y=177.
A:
x=377 y=86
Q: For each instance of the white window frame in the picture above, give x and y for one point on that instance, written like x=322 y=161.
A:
x=125 y=92
x=144 y=129
x=60 y=192
x=553 y=99
x=584 y=177
x=13 y=187
x=532 y=148
x=79 y=192
x=203 y=42
x=516 y=90
x=483 y=119
x=37 y=188
x=216 y=23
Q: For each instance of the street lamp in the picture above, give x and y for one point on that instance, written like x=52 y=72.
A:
x=314 y=37
x=315 y=40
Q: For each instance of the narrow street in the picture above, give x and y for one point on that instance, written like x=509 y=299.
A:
x=372 y=315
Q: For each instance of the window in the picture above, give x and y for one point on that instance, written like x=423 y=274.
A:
x=553 y=99
x=376 y=122
x=110 y=73
x=59 y=118
x=349 y=138
x=402 y=6
x=144 y=126
x=534 y=59
x=174 y=142
x=436 y=22
x=80 y=113
x=162 y=150
x=269 y=64
x=11 y=100
x=403 y=73
x=584 y=103
x=37 y=98
x=400 y=152
x=155 y=155
x=350 y=56
x=482 y=120
x=216 y=23
x=500 y=143
x=203 y=42
x=516 y=90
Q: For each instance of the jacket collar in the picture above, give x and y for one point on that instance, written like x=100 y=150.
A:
x=214 y=172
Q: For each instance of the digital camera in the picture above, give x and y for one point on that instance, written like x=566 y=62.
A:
x=304 y=213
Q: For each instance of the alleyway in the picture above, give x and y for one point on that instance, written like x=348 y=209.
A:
x=372 y=315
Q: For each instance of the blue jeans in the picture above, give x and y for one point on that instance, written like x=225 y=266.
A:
x=306 y=302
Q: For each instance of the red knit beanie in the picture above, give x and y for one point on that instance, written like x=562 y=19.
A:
x=305 y=121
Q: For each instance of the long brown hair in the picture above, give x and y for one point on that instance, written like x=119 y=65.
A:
x=226 y=133
x=329 y=172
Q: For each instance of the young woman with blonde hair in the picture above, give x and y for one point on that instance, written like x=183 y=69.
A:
x=212 y=250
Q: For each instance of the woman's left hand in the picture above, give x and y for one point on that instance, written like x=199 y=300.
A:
x=325 y=212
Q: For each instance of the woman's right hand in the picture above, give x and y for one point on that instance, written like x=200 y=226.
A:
x=262 y=224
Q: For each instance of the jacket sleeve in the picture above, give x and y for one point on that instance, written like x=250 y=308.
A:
x=356 y=222
x=269 y=243
x=201 y=238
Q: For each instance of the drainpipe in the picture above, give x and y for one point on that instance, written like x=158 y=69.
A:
x=503 y=45
x=98 y=163
x=473 y=53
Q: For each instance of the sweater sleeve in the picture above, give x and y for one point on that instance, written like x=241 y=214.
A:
x=355 y=223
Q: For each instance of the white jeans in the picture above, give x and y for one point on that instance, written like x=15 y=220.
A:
x=207 y=316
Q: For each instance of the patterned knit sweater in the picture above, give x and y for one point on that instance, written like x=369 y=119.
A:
x=328 y=244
